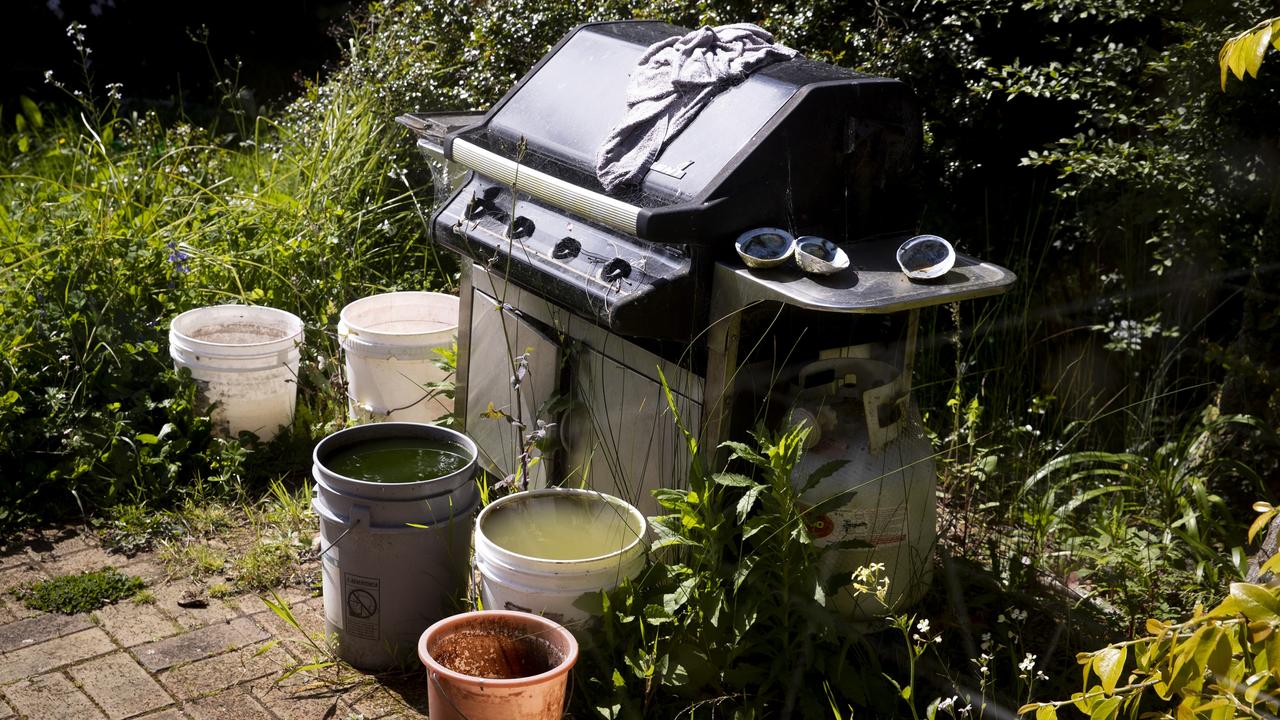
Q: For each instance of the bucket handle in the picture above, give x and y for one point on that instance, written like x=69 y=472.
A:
x=435 y=680
x=359 y=514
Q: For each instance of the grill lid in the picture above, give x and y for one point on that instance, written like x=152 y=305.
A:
x=798 y=142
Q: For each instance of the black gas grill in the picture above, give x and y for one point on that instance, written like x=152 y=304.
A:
x=801 y=145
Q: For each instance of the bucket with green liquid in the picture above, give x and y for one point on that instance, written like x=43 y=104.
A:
x=395 y=502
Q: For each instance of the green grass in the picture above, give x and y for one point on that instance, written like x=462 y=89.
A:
x=113 y=225
x=88 y=591
x=266 y=565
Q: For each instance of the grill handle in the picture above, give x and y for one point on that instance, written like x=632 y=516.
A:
x=603 y=209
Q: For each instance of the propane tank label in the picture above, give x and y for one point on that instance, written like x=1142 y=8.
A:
x=361 y=608
x=875 y=526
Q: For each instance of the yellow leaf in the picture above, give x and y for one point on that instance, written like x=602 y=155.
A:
x=1271 y=564
x=1222 y=64
x=1047 y=712
x=1262 y=506
x=1155 y=627
x=1236 y=60
x=1263 y=519
x=1258 y=43
x=1256 y=602
x=1109 y=663
x=1272 y=646
x=1259 y=631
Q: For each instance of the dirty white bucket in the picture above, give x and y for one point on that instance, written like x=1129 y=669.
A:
x=244 y=359
x=525 y=545
x=389 y=344
x=394 y=556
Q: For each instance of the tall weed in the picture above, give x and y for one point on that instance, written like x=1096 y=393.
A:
x=112 y=224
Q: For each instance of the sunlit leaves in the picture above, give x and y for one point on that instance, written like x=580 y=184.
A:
x=1244 y=52
x=1220 y=663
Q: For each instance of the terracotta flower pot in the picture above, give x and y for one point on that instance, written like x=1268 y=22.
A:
x=497 y=665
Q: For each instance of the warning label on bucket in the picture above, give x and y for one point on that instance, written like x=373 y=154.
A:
x=360 y=609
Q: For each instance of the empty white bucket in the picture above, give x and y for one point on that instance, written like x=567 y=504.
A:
x=395 y=555
x=516 y=574
x=244 y=359
x=389 y=343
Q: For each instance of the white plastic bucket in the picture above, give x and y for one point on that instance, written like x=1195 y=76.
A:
x=553 y=588
x=244 y=359
x=394 y=556
x=389 y=343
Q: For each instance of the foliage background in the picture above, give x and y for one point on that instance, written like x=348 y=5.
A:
x=1105 y=424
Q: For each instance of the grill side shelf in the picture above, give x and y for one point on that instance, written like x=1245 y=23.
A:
x=873 y=283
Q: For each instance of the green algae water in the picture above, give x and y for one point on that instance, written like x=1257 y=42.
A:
x=398 y=459
x=560 y=528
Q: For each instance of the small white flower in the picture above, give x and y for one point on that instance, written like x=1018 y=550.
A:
x=986 y=641
x=947 y=703
x=1018 y=615
x=1028 y=663
x=923 y=626
x=48 y=76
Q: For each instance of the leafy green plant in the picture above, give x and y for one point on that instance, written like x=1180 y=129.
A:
x=1151 y=530
x=130 y=528
x=87 y=591
x=735 y=620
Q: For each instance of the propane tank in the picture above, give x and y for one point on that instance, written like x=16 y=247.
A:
x=860 y=412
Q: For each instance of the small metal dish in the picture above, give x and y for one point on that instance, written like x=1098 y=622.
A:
x=926 y=257
x=820 y=256
x=765 y=247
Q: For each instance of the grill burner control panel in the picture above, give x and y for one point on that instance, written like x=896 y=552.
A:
x=626 y=284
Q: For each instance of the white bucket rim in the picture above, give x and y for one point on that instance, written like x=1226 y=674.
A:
x=346 y=327
x=293 y=327
x=627 y=549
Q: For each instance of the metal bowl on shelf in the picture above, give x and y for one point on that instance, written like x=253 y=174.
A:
x=820 y=256
x=765 y=247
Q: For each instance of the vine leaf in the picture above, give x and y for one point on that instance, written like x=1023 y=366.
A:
x=1256 y=602
x=1108 y=663
x=1244 y=52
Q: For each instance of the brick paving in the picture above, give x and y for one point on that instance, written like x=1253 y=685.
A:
x=162 y=661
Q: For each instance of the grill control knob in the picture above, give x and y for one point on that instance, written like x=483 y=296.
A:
x=521 y=227
x=566 y=248
x=614 y=270
x=478 y=208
